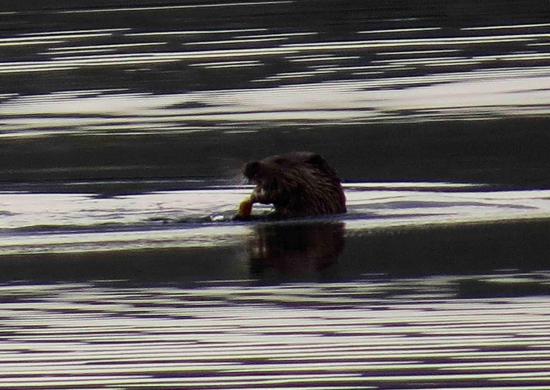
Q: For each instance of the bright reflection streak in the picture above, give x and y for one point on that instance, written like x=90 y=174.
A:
x=110 y=46
x=506 y=27
x=505 y=92
x=25 y=43
x=175 y=7
x=229 y=64
x=320 y=58
x=417 y=52
x=77 y=32
x=54 y=36
x=416 y=42
x=131 y=219
x=281 y=35
x=193 y=32
x=233 y=41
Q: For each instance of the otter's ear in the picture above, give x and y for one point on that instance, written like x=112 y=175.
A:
x=316 y=159
x=319 y=162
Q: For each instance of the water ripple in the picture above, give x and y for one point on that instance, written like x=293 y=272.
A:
x=76 y=336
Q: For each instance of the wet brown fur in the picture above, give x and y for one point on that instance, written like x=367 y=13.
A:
x=297 y=184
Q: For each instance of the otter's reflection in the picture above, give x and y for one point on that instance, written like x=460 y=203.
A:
x=295 y=249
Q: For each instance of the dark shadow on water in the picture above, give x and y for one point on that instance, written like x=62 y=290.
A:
x=174 y=265
x=502 y=288
x=466 y=249
x=312 y=251
x=295 y=250
x=509 y=153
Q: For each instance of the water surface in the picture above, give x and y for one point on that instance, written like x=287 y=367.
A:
x=123 y=129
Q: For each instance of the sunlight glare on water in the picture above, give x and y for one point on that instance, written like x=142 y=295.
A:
x=112 y=330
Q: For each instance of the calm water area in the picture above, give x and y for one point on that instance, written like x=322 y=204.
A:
x=124 y=127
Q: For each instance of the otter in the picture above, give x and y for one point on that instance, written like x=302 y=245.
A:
x=298 y=184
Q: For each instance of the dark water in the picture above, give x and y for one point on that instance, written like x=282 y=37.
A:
x=123 y=128
x=395 y=91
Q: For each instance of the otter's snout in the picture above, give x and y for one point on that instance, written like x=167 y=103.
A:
x=251 y=170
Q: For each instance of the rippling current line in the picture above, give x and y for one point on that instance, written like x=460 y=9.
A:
x=331 y=336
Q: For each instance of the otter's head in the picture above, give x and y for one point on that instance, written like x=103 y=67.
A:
x=297 y=184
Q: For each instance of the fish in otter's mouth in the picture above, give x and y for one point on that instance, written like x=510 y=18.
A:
x=297 y=184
